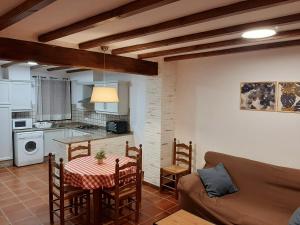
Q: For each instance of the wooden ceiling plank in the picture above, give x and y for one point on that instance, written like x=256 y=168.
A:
x=218 y=44
x=18 y=50
x=204 y=16
x=234 y=50
x=21 y=11
x=123 y=11
x=209 y=34
x=57 y=68
x=77 y=70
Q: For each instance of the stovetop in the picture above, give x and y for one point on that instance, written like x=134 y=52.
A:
x=88 y=127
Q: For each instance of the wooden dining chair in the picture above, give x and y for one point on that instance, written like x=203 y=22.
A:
x=60 y=193
x=136 y=154
x=125 y=193
x=182 y=165
x=79 y=151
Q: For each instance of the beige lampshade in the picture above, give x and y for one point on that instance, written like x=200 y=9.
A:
x=104 y=94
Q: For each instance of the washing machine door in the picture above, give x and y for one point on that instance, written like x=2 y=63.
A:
x=30 y=147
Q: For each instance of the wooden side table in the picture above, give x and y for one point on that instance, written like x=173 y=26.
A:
x=182 y=217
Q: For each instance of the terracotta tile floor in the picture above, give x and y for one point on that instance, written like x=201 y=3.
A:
x=24 y=198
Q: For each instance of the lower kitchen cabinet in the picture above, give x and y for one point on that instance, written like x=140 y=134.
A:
x=49 y=144
x=6 y=152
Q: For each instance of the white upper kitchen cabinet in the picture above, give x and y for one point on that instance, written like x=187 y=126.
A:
x=4 y=92
x=118 y=108
x=18 y=72
x=21 y=96
x=6 y=152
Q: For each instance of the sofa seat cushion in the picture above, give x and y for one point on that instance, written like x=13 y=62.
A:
x=235 y=209
x=243 y=211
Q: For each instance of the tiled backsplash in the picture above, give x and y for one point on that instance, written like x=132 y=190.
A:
x=90 y=117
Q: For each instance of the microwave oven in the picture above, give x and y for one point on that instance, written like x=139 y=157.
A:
x=22 y=123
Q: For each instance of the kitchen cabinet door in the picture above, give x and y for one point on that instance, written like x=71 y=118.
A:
x=49 y=144
x=4 y=93
x=21 y=96
x=5 y=133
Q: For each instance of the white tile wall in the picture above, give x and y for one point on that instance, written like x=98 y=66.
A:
x=159 y=123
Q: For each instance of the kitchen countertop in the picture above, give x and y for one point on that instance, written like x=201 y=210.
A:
x=93 y=134
x=71 y=125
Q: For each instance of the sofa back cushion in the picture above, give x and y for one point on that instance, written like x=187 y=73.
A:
x=274 y=185
x=217 y=181
x=295 y=218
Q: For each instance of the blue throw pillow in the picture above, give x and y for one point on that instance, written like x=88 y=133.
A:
x=217 y=181
x=295 y=219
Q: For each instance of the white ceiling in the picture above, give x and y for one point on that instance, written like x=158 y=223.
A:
x=64 y=12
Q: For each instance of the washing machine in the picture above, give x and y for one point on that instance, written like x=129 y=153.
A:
x=28 y=148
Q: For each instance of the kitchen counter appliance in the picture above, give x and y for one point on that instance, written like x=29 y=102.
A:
x=28 y=148
x=22 y=123
x=117 y=127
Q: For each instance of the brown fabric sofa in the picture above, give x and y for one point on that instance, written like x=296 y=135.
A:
x=268 y=194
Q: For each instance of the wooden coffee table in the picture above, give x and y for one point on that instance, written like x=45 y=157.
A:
x=182 y=217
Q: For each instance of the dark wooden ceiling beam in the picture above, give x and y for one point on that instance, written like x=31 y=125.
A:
x=123 y=11
x=204 y=16
x=77 y=70
x=234 y=50
x=218 y=44
x=17 y=50
x=57 y=68
x=209 y=34
x=21 y=11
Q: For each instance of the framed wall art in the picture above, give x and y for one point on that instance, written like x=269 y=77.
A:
x=289 y=97
x=260 y=96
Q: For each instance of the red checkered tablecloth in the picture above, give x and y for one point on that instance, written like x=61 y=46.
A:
x=86 y=173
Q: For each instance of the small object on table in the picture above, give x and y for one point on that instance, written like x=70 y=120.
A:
x=100 y=156
x=182 y=217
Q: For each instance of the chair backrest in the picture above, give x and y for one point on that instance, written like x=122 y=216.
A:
x=182 y=154
x=135 y=153
x=56 y=175
x=79 y=151
x=125 y=180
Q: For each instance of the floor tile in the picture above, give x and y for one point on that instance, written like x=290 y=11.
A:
x=24 y=198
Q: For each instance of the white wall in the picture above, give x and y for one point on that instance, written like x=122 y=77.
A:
x=207 y=106
x=137 y=95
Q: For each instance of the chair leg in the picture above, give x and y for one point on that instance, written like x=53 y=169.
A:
x=88 y=209
x=62 y=211
x=116 y=212
x=76 y=205
x=51 y=209
x=161 y=180
x=137 y=210
x=176 y=182
x=71 y=202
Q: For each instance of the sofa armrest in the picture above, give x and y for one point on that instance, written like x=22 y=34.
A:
x=191 y=183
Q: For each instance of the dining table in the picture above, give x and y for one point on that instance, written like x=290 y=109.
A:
x=86 y=173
